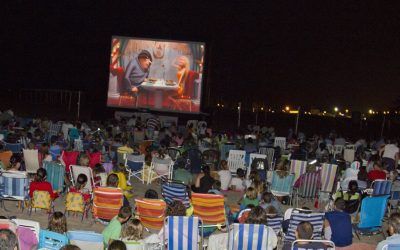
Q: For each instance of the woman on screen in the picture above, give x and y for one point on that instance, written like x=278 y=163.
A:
x=186 y=77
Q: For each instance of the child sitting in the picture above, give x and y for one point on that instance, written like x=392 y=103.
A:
x=80 y=187
x=113 y=181
x=267 y=200
x=151 y=194
x=132 y=232
x=237 y=182
x=249 y=198
x=40 y=184
x=122 y=183
x=99 y=175
x=113 y=229
x=225 y=176
x=58 y=223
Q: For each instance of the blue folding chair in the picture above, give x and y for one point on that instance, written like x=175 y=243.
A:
x=381 y=187
x=87 y=240
x=16 y=148
x=134 y=166
x=172 y=191
x=299 y=215
x=371 y=216
x=14 y=186
x=282 y=186
x=51 y=240
x=391 y=247
x=182 y=232
x=248 y=236
x=55 y=175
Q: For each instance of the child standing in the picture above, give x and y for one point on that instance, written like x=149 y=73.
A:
x=113 y=229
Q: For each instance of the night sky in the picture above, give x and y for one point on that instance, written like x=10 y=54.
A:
x=278 y=53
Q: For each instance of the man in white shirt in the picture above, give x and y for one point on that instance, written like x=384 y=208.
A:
x=390 y=155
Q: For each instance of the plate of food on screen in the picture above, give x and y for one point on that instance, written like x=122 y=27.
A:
x=170 y=83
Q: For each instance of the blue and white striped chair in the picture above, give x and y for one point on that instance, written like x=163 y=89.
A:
x=248 y=236
x=275 y=223
x=14 y=185
x=172 y=191
x=182 y=232
x=300 y=215
x=282 y=186
x=381 y=187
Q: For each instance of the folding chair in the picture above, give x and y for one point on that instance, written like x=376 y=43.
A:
x=16 y=148
x=174 y=153
x=280 y=142
x=275 y=222
x=182 y=232
x=151 y=212
x=29 y=224
x=225 y=149
x=270 y=153
x=300 y=215
x=349 y=153
x=309 y=185
x=14 y=185
x=323 y=244
x=31 y=158
x=248 y=236
x=8 y=224
x=75 y=203
x=106 y=203
x=371 y=216
x=41 y=200
x=282 y=186
x=328 y=176
x=134 y=165
x=94 y=158
x=193 y=160
x=337 y=150
x=381 y=187
x=51 y=240
x=211 y=157
x=69 y=158
x=255 y=156
x=87 y=240
x=172 y=191
x=55 y=129
x=391 y=247
x=55 y=175
x=160 y=168
x=210 y=208
x=236 y=159
x=298 y=168
x=75 y=171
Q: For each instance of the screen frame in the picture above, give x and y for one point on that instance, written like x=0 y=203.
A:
x=203 y=80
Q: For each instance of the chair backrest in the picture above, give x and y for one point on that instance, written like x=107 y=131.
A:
x=248 y=236
x=135 y=162
x=175 y=191
x=55 y=129
x=298 y=168
x=55 y=174
x=381 y=187
x=31 y=158
x=328 y=175
x=69 y=158
x=210 y=208
x=254 y=156
x=138 y=136
x=372 y=211
x=106 y=202
x=297 y=216
x=282 y=185
x=225 y=149
x=391 y=247
x=338 y=150
x=151 y=212
x=14 y=184
x=41 y=199
x=76 y=170
x=270 y=153
x=51 y=240
x=30 y=224
x=236 y=159
x=183 y=232
x=275 y=223
x=94 y=158
x=280 y=142
x=317 y=244
x=174 y=153
x=16 y=148
x=8 y=224
x=74 y=202
x=310 y=184
x=87 y=240
x=349 y=153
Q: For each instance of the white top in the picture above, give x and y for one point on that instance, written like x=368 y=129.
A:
x=238 y=183
x=390 y=151
x=225 y=177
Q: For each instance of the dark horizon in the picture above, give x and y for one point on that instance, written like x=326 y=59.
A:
x=345 y=56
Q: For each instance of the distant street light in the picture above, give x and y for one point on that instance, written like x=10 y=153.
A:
x=287 y=108
x=336 y=109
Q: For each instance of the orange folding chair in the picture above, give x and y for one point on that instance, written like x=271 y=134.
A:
x=151 y=212
x=210 y=208
x=106 y=202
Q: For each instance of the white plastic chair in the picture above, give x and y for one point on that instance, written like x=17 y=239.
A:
x=280 y=142
x=160 y=168
x=30 y=224
x=236 y=159
x=337 y=150
x=76 y=170
x=31 y=158
x=349 y=153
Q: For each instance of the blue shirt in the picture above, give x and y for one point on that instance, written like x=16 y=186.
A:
x=340 y=223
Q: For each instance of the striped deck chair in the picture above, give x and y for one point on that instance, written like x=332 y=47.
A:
x=282 y=186
x=182 y=232
x=106 y=202
x=55 y=175
x=151 y=212
x=328 y=176
x=210 y=208
x=69 y=158
x=325 y=244
x=307 y=186
x=248 y=236
x=298 y=168
x=55 y=129
x=299 y=215
x=280 y=142
x=381 y=187
x=87 y=240
x=14 y=185
x=236 y=159
x=275 y=222
x=175 y=191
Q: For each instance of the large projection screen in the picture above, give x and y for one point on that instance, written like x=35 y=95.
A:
x=155 y=74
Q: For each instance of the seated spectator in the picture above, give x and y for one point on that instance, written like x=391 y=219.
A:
x=117 y=245
x=250 y=197
x=305 y=231
x=132 y=231
x=58 y=223
x=351 y=197
x=258 y=215
x=268 y=199
x=44 y=154
x=41 y=184
x=204 y=181
x=216 y=188
x=377 y=173
x=70 y=247
x=113 y=181
x=338 y=226
x=84 y=160
x=79 y=187
x=114 y=228
x=125 y=149
x=122 y=182
x=393 y=230
x=15 y=162
x=8 y=240
x=225 y=176
x=183 y=175
x=151 y=194
x=237 y=183
x=99 y=175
